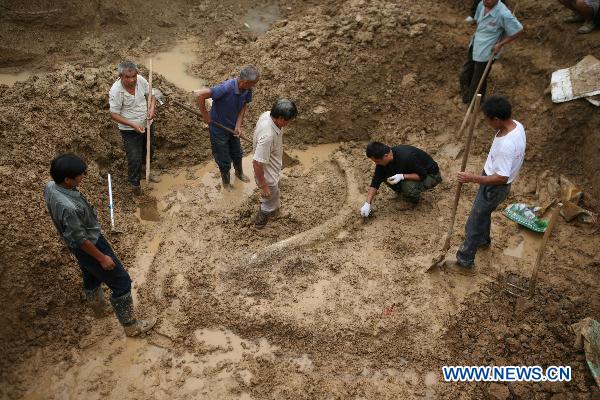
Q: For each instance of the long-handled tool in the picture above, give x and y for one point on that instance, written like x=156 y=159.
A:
x=287 y=159
x=111 y=207
x=479 y=85
x=530 y=289
x=218 y=125
x=148 y=125
x=446 y=246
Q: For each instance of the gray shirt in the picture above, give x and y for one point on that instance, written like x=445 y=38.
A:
x=74 y=218
x=134 y=107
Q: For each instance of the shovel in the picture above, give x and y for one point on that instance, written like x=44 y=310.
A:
x=287 y=160
x=442 y=255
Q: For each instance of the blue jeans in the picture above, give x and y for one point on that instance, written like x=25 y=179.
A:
x=93 y=274
x=225 y=148
x=135 y=150
x=477 y=229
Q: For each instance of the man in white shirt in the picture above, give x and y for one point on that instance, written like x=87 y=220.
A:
x=129 y=108
x=268 y=155
x=501 y=168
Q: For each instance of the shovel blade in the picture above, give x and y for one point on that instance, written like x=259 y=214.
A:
x=436 y=261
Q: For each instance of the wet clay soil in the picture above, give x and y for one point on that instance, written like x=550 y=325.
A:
x=350 y=314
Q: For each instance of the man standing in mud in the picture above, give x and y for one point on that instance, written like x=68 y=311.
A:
x=407 y=170
x=496 y=27
x=230 y=102
x=129 y=108
x=268 y=156
x=77 y=224
x=501 y=168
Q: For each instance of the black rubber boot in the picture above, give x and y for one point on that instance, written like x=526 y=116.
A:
x=226 y=180
x=239 y=171
x=261 y=219
x=123 y=307
x=96 y=302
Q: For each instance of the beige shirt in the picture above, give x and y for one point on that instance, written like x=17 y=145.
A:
x=268 y=147
x=131 y=106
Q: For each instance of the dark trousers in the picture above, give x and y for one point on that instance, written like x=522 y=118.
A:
x=477 y=229
x=135 y=150
x=471 y=74
x=225 y=148
x=93 y=274
x=411 y=190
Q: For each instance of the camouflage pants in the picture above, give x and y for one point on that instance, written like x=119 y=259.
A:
x=411 y=190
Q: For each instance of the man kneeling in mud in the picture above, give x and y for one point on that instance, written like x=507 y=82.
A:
x=407 y=170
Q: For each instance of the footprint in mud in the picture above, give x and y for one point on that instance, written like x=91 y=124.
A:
x=149 y=209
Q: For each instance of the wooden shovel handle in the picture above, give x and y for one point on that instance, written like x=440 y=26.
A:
x=191 y=110
x=540 y=254
x=472 y=104
x=462 y=169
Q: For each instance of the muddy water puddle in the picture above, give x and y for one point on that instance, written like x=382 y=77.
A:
x=135 y=368
x=204 y=182
x=10 y=78
x=174 y=66
x=524 y=245
x=260 y=19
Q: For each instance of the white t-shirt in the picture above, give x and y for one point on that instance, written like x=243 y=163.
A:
x=507 y=154
x=268 y=147
x=130 y=106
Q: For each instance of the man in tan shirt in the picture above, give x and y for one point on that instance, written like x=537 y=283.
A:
x=268 y=154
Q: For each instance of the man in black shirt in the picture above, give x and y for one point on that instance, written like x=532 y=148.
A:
x=407 y=170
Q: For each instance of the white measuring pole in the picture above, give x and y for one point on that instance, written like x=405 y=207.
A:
x=110 y=203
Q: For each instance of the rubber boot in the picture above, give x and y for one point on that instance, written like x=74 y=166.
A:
x=123 y=307
x=239 y=171
x=588 y=27
x=96 y=302
x=261 y=219
x=226 y=180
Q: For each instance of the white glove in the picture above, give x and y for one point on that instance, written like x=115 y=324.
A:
x=392 y=180
x=365 y=210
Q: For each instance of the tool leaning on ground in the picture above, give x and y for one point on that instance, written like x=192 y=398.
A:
x=288 y=160
x=530 y=289
x=437 y=260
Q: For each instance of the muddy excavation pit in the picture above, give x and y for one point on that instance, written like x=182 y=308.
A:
x=321 y=303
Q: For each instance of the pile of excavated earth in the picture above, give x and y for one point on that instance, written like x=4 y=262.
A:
x=344 y=308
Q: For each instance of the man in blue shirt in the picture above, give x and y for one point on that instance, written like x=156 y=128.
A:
x=230 y=100
x=496 y=27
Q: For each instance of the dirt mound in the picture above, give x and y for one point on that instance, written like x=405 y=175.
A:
x=495 y=328
x=357 y=70
x=65 y=111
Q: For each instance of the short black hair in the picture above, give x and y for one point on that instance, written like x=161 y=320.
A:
x=67 y=166
x=284 y=108
x=377 y=150
x=497 y=107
